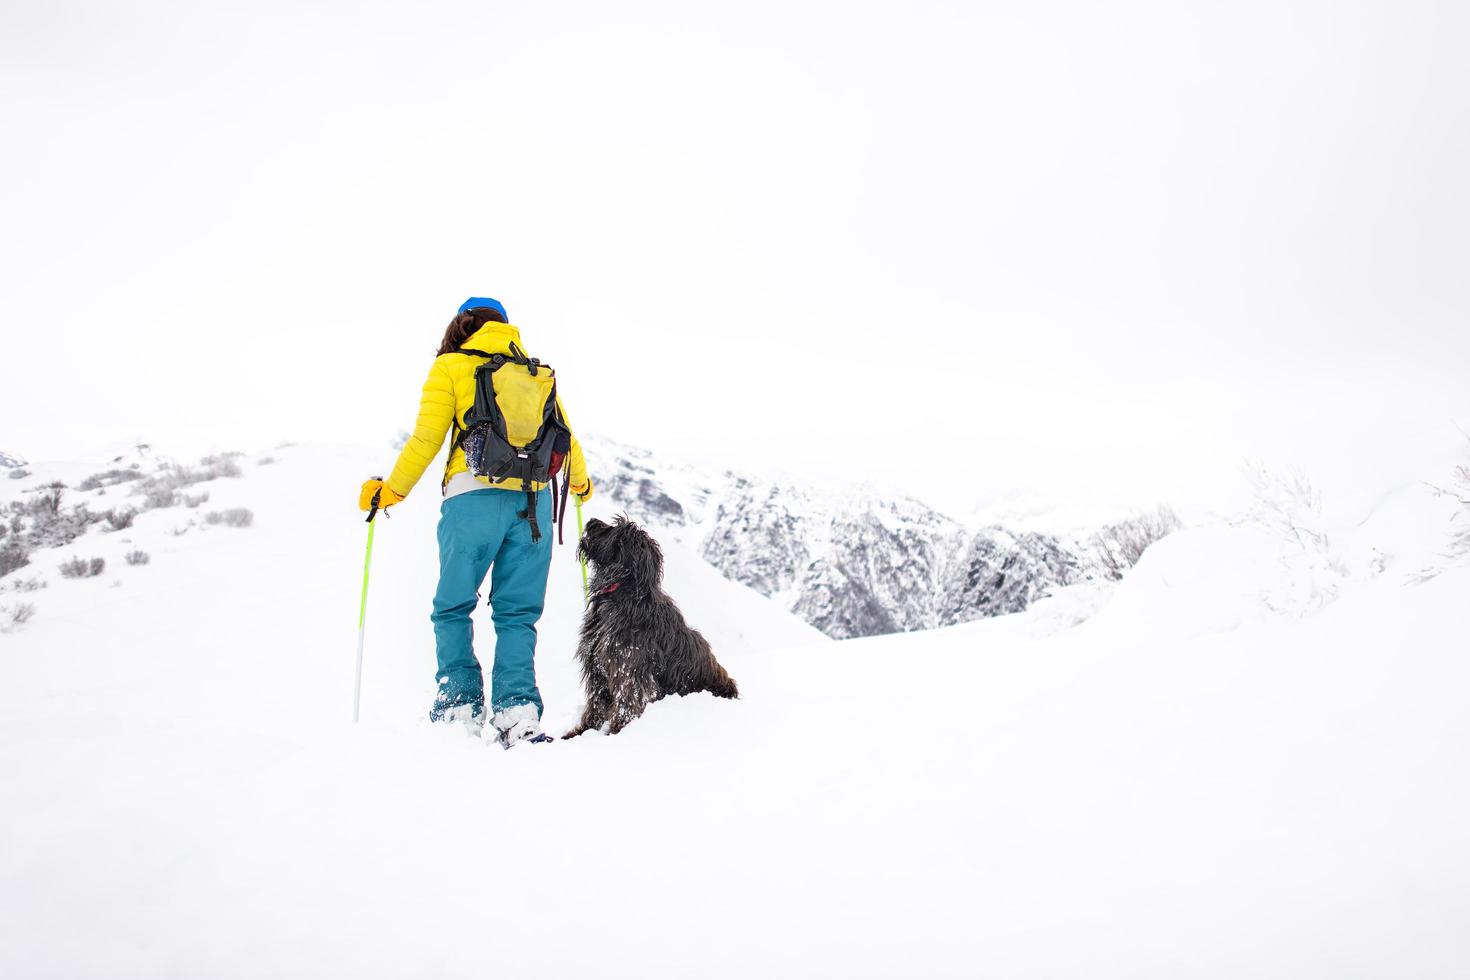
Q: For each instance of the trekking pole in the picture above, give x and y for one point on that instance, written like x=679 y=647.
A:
x=367 y=563
x=585 y=597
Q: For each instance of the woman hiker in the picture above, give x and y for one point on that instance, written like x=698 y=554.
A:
x=483 y=526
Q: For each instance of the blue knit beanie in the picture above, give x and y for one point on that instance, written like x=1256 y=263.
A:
x=477 y=302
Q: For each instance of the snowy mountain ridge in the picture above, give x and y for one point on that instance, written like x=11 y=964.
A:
x=857 y=563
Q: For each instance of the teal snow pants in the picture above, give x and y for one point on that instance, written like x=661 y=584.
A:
x=482 y=531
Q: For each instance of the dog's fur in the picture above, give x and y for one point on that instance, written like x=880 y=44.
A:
x=635 y=645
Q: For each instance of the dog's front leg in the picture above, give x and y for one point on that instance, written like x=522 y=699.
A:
x=630 y=696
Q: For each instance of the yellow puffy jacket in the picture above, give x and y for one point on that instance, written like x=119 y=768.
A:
x=449 y=392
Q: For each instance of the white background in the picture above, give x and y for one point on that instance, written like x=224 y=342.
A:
x=1121 y=246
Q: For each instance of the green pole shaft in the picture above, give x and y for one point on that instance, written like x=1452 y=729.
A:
x=585 y=596
x=367 y=564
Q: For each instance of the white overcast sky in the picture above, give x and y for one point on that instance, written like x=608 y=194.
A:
x=1081 y=247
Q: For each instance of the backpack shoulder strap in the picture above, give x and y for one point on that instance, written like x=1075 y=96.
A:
x=532 y=364
x=516 y=356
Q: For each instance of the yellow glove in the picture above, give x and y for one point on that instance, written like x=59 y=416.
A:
x=583 y=491
x=387 y=496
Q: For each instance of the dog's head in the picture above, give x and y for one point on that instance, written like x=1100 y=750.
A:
x=622 y=551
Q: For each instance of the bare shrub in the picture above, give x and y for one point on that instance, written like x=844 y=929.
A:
x=17 y=614
x=47 y=499
x=32 y=584
x=1459 y=491
x=1460 y=537
x=136 y=557
x=234 y=517
x=1288 y=508
x=265 y=461
x=109 y=478
x=82 y=568
x=1119 y=546
x=222 y=464
x=48 y=529
x=160 y=497
x=194 y=500
x=119 y=518
x=162 y=488
x=13 y=555
x=19 y=474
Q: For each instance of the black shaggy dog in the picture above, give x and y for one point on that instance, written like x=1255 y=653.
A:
x=635 y=645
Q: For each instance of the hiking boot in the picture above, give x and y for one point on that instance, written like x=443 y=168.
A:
x=521 y=723
x=470 y=716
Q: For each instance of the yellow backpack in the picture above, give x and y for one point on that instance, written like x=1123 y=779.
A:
x=515 y=428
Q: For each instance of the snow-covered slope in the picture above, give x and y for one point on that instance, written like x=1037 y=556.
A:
x=1186 y=784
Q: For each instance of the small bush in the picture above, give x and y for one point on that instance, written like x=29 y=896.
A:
x=33 y=584
x=1288 y=508
x=221 y=464
x=194 y=500
x=1460 y=538
x=265 y=461
x=47 y=499
x=234 y=517
x=109 y=478
x=1459 y=491
x=16 y=615
x=19 y=474
x=157 y=498
x=42 y=527
x=162 y=489
x=13 y=555
x=82 y=568
x=136 y=557
x=120 y=518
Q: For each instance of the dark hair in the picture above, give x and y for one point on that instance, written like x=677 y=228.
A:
x=466 y=323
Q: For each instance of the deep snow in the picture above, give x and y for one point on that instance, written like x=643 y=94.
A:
x=1185 y=784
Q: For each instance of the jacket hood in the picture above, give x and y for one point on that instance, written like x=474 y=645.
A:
x=495 y=338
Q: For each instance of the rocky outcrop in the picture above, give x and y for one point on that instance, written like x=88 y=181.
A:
x=862 y=566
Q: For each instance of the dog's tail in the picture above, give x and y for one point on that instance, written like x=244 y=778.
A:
x=722 y=685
